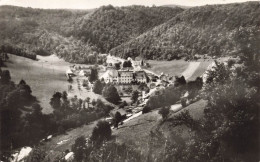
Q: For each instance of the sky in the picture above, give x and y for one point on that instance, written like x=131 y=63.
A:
x=90 y=4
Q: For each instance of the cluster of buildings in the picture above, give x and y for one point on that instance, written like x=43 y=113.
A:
x=127 y=75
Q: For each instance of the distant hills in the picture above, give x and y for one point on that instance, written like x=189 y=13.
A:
x=151 y=32
x=74 y=34
x=173 y=6
x=211 y=30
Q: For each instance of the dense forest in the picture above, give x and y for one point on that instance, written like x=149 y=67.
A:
x=151 y=32
x=75 y=34
x=207 y=30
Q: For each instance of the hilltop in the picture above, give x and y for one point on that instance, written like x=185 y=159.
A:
x=210 y=30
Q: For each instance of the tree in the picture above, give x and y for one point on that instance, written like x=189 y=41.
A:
x=78 y=148
x=99 y=104
x=93 y=75
x=230 y=120
x=93 y=102
x=98 y=87
x=164 y=111
x=65 y=102
x=101 y=132
x=37 y=154
x=56 y=100
x=179 y=81
x=183 y=102
x=146 y=109
x=1 y=62
x=127 y=63
x=110 y=93
x=134 y=96
x=5 y=77
x=80 y=102
x=117 y=119
x=117 y=65
x=88 y=101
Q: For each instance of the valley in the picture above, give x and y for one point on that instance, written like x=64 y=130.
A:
x=130 y=83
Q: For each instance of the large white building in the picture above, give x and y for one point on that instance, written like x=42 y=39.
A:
x=124 y=76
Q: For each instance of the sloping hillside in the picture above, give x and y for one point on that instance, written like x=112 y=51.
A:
x=111 y=26
x=200 y=30
x=74 y=34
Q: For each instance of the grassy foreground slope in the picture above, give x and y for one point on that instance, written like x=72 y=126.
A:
x=210 y=29
x=138 y=133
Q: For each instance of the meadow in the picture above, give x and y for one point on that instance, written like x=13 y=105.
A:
x=45 y=77
x=190 y=70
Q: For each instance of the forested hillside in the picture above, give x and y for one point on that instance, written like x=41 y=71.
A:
x=109 y=26
x=202 y=30
x=43 y=32
x=75 y=34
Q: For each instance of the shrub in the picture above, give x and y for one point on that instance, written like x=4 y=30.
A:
x=146 y=109
x=183 y=102
x=78 y=148
x=101 y=132
x=164 y=111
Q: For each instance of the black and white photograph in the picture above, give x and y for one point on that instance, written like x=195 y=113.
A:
x=129 y=81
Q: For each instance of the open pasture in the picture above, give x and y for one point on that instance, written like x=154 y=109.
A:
x=46 y=76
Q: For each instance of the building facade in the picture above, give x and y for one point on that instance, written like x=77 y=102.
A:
x=124 y=76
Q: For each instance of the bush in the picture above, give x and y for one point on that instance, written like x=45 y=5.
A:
x=183 y=102
x=164 y=111
x=101 y=132
x=146 y=109
x=78 y=148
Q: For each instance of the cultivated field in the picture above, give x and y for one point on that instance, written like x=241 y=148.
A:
x=46 y=76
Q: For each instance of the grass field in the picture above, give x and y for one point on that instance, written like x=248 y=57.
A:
x=135 y=133
x=180 y=67
x=173 y=68
x=199 y=71
x=45 y=76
